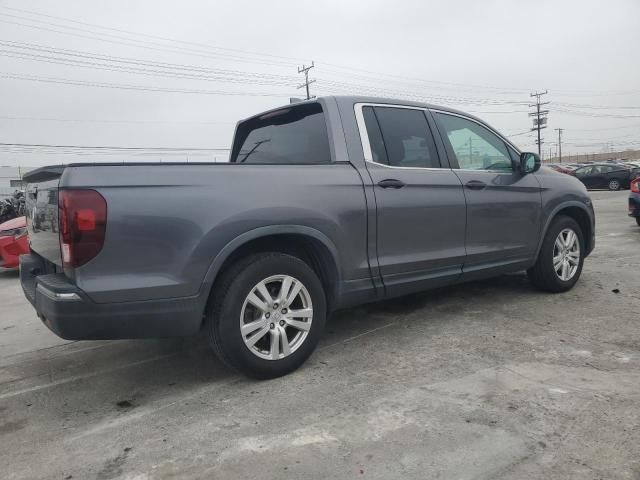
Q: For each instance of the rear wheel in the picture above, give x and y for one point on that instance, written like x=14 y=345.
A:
x=266 y=315
x=560 y=258
x=614 y=184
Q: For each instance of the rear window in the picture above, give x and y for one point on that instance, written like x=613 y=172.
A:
x=295 y=135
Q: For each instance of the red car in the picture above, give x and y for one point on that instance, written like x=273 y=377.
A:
x=13 y=242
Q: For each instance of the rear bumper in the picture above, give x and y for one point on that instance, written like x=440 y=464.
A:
x=69 y=313
x=634 y=205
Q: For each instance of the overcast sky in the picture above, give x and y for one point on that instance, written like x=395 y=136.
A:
x=87 y=73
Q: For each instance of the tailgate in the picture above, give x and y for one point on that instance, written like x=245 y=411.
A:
x=42 y=212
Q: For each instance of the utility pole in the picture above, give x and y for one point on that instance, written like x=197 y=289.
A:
x=560 y=130
x=540 y=116
x=304 y=69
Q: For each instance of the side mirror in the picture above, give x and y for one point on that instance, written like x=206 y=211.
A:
x=529 y=162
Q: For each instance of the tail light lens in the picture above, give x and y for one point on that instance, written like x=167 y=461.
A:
x=83 y=222
x=635 y=185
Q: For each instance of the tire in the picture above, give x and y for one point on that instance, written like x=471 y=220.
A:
x=614 y=185
x=638 y=221
x=230 y=307
x=543 y=274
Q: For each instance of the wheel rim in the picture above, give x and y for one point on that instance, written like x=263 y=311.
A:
x=614 y=185
x=276 y=317
x=566 y=254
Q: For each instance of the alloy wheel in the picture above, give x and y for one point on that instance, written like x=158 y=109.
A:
x=276 y=317
x=566 y=254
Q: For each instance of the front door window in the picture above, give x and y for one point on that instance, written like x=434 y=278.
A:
x=474 y=146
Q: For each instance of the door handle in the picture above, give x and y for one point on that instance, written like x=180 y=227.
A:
x=391 y=183
x=475 y=185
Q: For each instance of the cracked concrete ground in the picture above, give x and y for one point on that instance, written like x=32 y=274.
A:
x=489 y=380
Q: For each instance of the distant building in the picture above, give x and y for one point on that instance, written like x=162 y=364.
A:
x=11 y=180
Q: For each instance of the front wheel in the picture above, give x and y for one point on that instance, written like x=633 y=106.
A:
x=560 y=258
x=614 y=184
x=266 y=315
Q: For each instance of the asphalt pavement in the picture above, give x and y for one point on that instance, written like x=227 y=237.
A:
x=488 y=380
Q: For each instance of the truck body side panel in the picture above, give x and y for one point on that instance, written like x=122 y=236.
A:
x=165 y=229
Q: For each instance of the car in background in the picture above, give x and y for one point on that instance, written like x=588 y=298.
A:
x=634 y=199
x=560 y=168
x=634 y=164
x=14 y=242
x=604 y=175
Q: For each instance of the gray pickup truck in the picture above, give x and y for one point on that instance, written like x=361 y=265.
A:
x=323 y=205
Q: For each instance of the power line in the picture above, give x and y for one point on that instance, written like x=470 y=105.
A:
x=635 y=125
x=157 y=37
x=142 y=71
x=361 y=89
x=104 y=147
x=147 y=88
x=592 y=114
x=88 y=120
x=132 y=42
x=160 y=46
x=167 y=48
x=155 y=45
x=156 y=69
x=244 y=55
x=597 y=107
x=135 y=62
x=194 y=72
x=518 y=134
x=136 y=43
x=171 y=70
x=109 y=153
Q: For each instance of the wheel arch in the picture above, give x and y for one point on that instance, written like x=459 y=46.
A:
x=579 y=212
x=306 y=243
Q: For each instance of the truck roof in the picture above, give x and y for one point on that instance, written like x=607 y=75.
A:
x=352 y=99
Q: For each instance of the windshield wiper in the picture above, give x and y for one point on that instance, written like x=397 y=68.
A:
x=254 y=148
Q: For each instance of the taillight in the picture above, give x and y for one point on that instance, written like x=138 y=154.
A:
x=635 y=185
x=83 y=223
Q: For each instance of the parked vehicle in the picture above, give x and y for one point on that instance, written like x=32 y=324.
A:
x=13 y=242
x=324 y=204
x=604 y=175
x=559 y=168
x=634 y=199
x=12 y=207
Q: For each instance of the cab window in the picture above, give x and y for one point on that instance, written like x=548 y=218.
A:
x=474 y=146
x=400 y=137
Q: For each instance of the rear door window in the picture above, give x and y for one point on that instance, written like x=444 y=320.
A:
x=295 y=135
x=400 y=137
